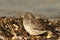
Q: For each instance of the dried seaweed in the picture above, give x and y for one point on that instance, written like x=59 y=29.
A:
x=12 y=28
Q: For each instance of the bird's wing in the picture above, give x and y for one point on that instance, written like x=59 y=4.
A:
x=37 y=25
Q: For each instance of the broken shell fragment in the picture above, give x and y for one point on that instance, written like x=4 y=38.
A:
x=50 y=34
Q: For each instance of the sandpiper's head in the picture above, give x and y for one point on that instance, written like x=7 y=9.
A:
x=28 y=15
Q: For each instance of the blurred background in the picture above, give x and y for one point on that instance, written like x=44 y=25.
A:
x=44 y=8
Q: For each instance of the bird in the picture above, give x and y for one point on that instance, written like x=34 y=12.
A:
x=32 y=25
